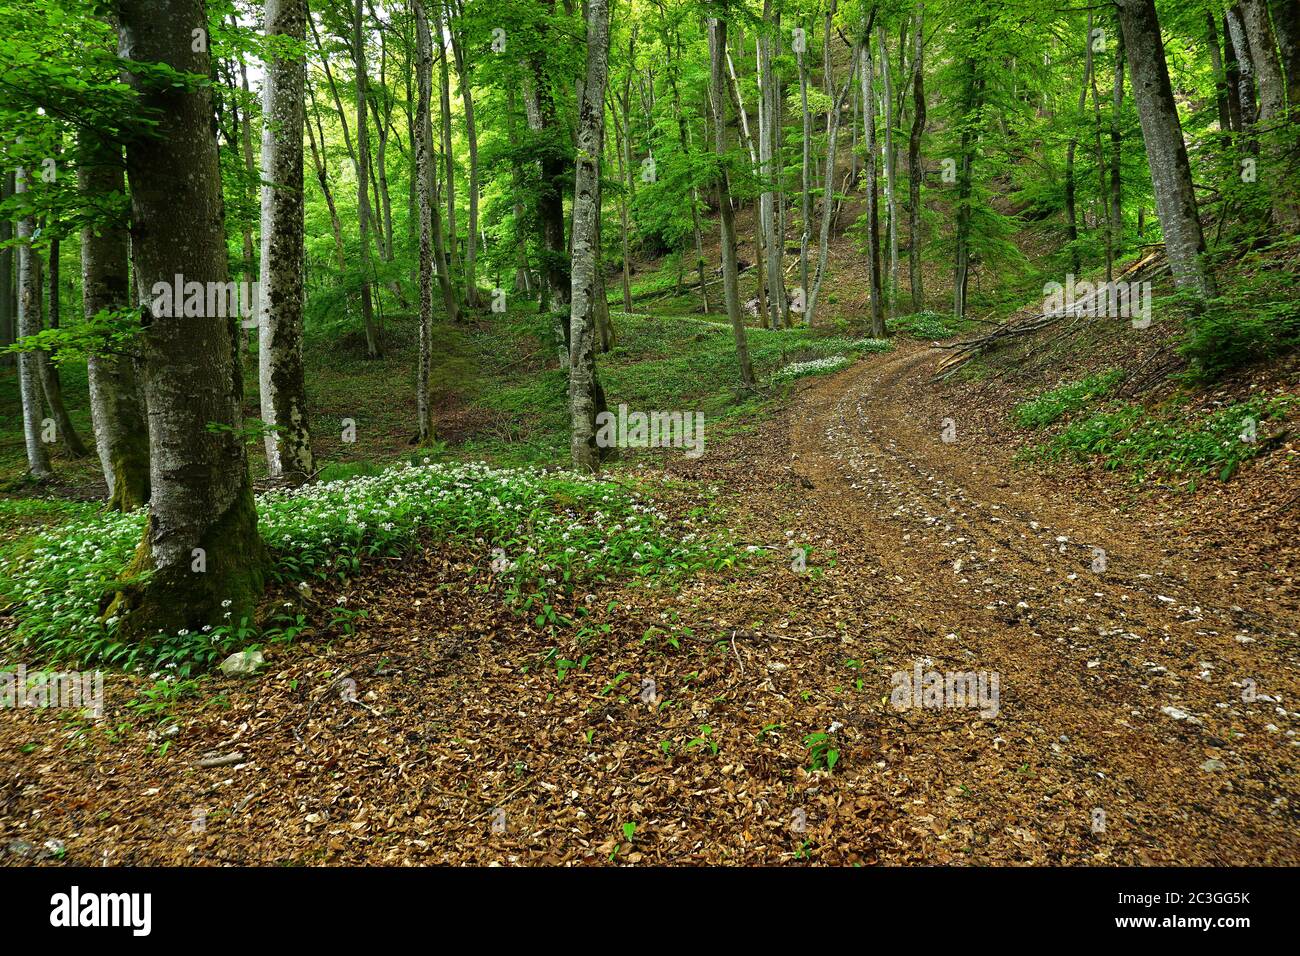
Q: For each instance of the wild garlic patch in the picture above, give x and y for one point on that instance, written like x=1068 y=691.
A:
x=550 y=530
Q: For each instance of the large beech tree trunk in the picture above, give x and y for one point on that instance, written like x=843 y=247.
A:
x=283 y=385
x=201 y=547
x=1171 y=174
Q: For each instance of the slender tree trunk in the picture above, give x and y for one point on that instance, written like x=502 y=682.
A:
x=805 y=192
x=972 y=100
x=283 y=387
x=726 y=215
x=471 y=136
x=8 y=303
x=624 y=159
x=1269 y=82
x=523 y=280
x=29 y=323
x=583 y=384
x=51 y=383
x=1232 y=79
x=891 y=200
x=769 y=137
x=1286 y=24
x=1104 y=214
x=1278 y=138
x=866 y=78
x=915 y=170
x=1171 y=174
x=1220 y=78
x=540 y=107
x=425 y=174
x=201 y=547
x=322 y=176
x=1245 y=69
x=116 y=404
x=760 y=249
x=448 y=157
x=363 y=185
x=1071 y=182
x=828 y=199
x=250 y=170
x=1117 y=150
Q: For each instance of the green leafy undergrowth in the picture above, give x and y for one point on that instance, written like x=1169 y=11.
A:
x=1053 y=405
x=541 y=533
x=1128 y=437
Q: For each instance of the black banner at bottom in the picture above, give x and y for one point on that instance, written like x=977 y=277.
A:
x=341 y=906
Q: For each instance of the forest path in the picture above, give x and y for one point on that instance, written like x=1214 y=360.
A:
x=1127 y=658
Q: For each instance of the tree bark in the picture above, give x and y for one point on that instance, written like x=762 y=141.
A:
x=726 y=215
x=363 y=185
x=828 y=199
x=425 y=175
x=1232 y=80
x=769 y=136
x=972 y=94
x=116 y=403
x=540 y=108
x=202 y=547
x=866 y=77
x=1278 y=139
x=583 y=384
x=1171 y=174
x=1220 y=78
x=250 y=171
x=891 y=202
x=51 y=383
x=1286 y=24
x=1243 y=66
x=471 y=135
x=29 y=323
x=282 y=379
x=915 y=170
x=1117 y=150
x=448 y=157
x=805 y=173
x=1071 y=183
x=8 y=302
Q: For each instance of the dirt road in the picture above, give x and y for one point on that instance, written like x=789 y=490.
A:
x=1147 y=686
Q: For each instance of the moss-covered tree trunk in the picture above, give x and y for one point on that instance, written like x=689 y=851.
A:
x=201 y=560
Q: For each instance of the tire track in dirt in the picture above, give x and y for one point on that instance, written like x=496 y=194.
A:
x=1131 y=673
